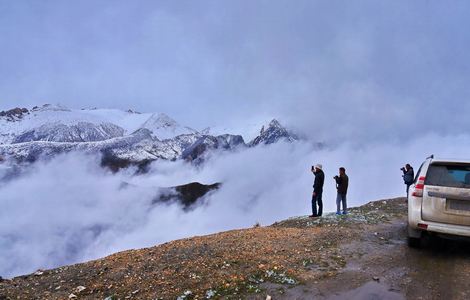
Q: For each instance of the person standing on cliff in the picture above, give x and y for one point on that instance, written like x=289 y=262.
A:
x=342 y=182
x=317 y=191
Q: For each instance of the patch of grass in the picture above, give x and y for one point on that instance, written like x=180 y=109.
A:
x=307 y=262
x=233 y=290
x=279 y=277
x=339 y=260
x=252 y=285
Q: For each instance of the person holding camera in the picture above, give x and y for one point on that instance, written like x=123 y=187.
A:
x=408 y=176
x=317 y=191
x=342 y=182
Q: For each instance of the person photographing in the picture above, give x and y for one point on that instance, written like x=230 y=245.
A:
x=342 y=182
x=317 y=190
x=408 y=176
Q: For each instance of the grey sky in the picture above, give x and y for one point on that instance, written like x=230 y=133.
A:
x=363 y=69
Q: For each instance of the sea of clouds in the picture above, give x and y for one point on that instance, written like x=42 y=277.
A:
x=69 y=209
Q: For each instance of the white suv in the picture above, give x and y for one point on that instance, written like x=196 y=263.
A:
x=439 y=200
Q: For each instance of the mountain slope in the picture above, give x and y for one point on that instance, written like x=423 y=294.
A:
x=60 y=124
x=80 y=132
x=297 y=258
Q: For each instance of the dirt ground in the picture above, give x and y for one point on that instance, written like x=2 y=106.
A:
x=362 y=255
x=380 y=265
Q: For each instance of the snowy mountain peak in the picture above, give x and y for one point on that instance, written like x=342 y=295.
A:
x=275 y=124
x=159 y=121
x=272 y=134
x=164 y=127
x=163 y=121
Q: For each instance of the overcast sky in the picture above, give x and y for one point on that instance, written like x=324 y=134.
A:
x=369 y=70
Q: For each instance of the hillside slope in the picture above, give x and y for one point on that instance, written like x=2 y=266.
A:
x=300 y=258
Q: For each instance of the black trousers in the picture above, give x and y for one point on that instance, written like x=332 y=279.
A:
x=317 y=200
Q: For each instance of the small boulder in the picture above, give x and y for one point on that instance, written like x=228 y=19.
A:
x=79 y=289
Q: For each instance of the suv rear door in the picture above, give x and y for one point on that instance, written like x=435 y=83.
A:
x=446 y=195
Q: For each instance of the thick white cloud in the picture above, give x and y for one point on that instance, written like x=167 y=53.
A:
x=70 y=210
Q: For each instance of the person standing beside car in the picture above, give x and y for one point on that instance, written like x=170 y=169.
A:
x=342 y=182
x=408 y=176
x=317 y=191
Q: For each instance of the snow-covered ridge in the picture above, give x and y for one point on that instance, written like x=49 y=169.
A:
x=45 y=131
x=80 y=132
x=58 y=118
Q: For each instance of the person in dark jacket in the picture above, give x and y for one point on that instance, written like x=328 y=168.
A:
x=317 y=191
x=342 y=182
x=408 y=176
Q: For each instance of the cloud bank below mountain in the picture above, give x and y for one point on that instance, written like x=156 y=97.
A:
x=69 y=210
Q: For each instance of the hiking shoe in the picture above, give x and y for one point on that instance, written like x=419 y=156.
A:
x=312 y=216
x=345 y=212
x=338 y=213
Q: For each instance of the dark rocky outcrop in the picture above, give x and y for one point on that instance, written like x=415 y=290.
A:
x=188 y=195
x=14 y=114
x=203 y=145
x=115 y=163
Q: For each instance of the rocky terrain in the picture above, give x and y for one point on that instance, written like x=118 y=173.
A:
x=362 y=255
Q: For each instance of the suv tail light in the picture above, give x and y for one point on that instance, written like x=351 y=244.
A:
x=423 y=226
x=419 y=187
